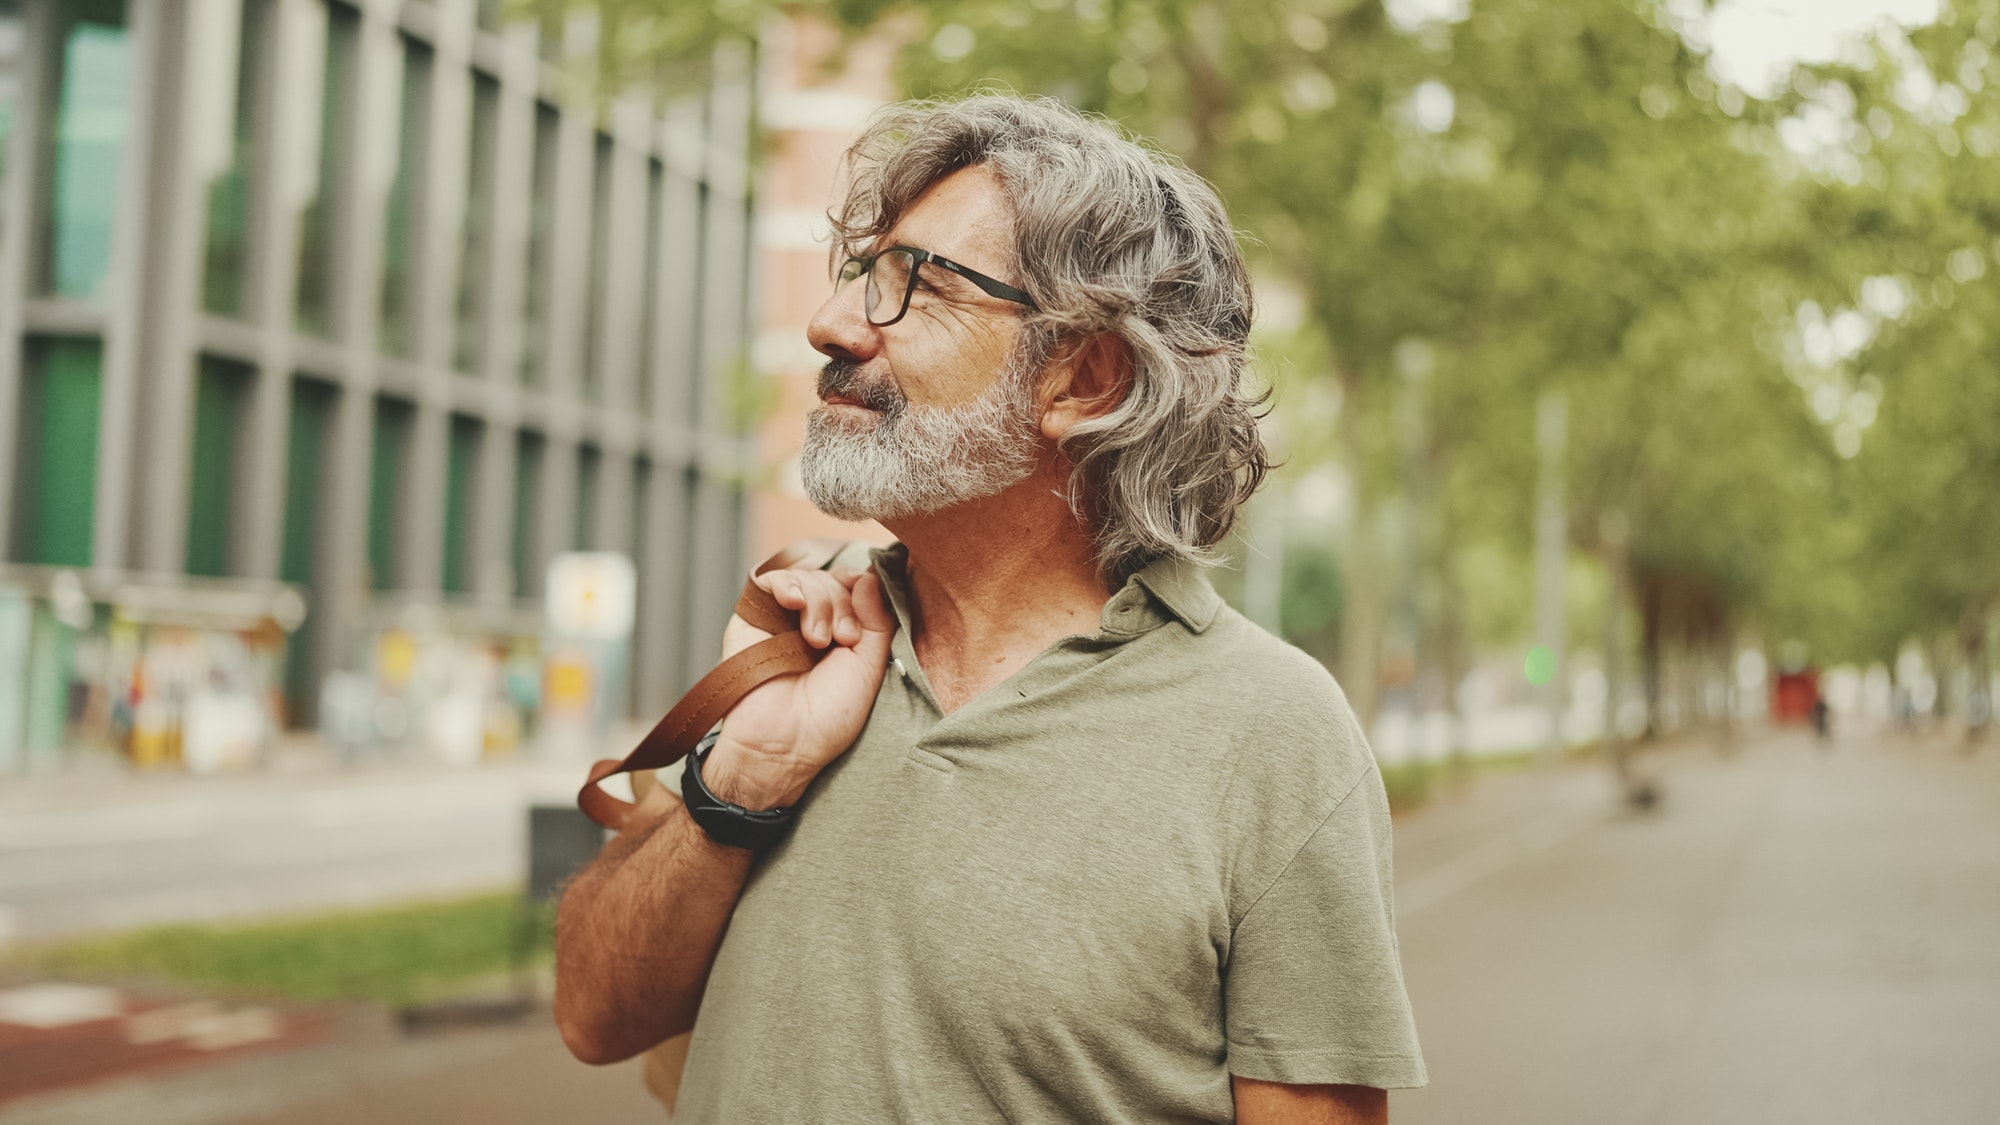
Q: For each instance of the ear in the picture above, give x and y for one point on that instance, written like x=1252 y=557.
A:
x=1086 y=380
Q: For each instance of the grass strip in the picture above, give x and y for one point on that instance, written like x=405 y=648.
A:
x=397 y=956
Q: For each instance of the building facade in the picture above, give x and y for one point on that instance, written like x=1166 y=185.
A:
x=324 y=327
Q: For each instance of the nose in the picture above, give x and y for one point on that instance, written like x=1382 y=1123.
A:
x=840 y=329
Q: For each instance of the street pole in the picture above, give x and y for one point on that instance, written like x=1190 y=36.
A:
x=1551 y=539
x=1415 y=359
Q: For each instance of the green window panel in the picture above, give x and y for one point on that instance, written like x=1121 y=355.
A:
x=461 y=471
x=316 y=266
x=589 y=467
x=387 y=478
x=541 y=229
x=91 y=83
x=401 y=225
x=305 y=470
x=475 y=248
x=529 y=448
x=595 y=309
x=656 y=198
x=640 y=522
x=226 y=258
x=221 y=401
x=305 y=473
x=10 y=31
x=56 y=490
x=698 y=377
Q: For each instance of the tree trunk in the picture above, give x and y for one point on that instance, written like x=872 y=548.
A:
x=1651 y=597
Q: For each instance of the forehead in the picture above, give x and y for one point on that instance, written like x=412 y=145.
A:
x=965 y=216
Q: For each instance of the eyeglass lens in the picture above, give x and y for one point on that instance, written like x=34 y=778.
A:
x=891 y=279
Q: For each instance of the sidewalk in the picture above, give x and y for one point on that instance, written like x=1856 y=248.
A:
x=83 y=853
x=1797 y=933
x=367 y=1069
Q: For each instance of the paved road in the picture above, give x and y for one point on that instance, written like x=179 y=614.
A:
x=81 y=854
x=1795 y=936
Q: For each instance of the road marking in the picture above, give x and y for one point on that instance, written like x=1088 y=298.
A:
x=1488 y=858
x=54 y=1004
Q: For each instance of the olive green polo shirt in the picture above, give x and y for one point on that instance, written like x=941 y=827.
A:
x=1155 y=856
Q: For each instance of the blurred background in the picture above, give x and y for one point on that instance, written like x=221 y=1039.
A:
x=392 y=395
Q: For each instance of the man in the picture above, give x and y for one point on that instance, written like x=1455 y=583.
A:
x=1069 y=840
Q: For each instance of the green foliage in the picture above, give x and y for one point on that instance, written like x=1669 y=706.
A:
x=1907 y=189
x=395 y=956
x=1556 y=194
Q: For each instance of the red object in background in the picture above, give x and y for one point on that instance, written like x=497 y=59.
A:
x=1792 y=695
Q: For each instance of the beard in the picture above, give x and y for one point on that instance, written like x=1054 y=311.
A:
x=915 y=460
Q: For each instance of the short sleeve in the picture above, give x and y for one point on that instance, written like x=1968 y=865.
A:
x=1313 y=989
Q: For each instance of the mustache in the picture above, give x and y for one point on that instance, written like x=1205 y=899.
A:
x=843 y=377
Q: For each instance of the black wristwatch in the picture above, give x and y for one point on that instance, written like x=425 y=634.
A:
x=727 y=823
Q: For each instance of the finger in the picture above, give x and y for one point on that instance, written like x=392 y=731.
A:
x=846 y=626
x=816 y=619
x=877 y=624
x=846 y=629
x=784 y=587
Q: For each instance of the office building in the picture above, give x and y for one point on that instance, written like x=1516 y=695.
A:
x=323 y=328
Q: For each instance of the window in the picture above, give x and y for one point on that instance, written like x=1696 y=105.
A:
x=638 y=694
x=403 y=223
x=318 y=281
x=704 y=246
x=56 y=451
x=387 y=480
x=595 y=312
x=649 y=298
x=528 y=449
x=589 y=467
x=222 y=394
x=475 y=234
x=541 y=228
x=305 y=472
x=90 y=75
x=10 y=73
x=461 y=471
x=222 y=286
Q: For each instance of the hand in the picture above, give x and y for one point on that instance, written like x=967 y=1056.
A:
x=783 y=733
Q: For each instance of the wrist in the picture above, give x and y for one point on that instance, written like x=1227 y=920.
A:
x=752 y=779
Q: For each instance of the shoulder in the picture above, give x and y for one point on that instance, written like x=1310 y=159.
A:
x=1296 y=751
x=1294 y=724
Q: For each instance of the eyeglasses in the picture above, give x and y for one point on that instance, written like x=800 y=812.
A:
x=895 y=271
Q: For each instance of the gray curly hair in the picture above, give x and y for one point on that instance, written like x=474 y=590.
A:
x=1112 y=240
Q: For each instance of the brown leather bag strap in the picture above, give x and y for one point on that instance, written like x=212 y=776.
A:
x=784 y=653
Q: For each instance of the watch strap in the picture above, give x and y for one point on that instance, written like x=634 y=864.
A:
x=785 y=652
x=727 y=822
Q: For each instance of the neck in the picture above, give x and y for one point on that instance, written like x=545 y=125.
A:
x=994 y=582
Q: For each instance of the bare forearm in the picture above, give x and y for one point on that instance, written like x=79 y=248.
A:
x=637 y=932
x=1273 y=1103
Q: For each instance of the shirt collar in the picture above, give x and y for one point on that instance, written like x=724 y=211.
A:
x=1179 y=584
x=1171 y=583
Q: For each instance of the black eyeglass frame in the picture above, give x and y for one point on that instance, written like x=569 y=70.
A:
x=993 y=287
